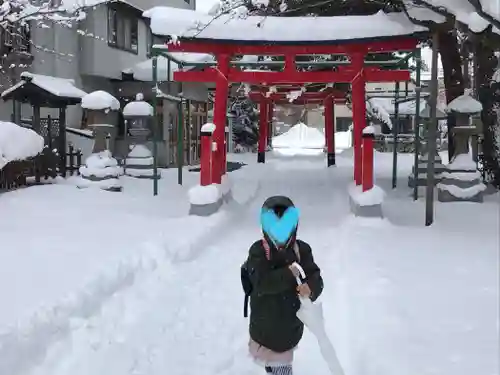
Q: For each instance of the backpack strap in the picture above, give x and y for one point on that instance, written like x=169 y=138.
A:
x=245 y=306
x=267 y=249
x=296 y=248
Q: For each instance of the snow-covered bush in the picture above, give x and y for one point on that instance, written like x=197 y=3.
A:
x=18 y=143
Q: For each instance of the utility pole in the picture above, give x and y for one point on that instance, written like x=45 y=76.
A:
x=431 y=135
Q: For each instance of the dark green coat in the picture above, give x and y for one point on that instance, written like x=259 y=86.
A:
x=274 y=301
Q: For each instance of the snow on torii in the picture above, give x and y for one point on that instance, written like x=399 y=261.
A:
x=189 y=24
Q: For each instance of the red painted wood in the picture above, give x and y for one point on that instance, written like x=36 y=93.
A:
x=359 y=116
x=403 y=43
x=368 y=141
x=206 y=160
x=329 y=124
x=220 y=110
x=263 y=124
x=306 y=95
x=270 y=78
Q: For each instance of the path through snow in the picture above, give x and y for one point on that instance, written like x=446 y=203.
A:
x=187 y=315
x=391 y=304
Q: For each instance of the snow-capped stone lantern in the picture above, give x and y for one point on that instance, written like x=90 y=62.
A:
x=423 y=159
x=461 y=181
x=138 y=118
x=102 y=111
x=101 y=169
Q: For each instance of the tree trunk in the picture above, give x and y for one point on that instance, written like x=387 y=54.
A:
x=489 y=96
x=453 y=78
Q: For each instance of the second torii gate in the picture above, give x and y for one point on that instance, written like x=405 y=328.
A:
x=292 y=95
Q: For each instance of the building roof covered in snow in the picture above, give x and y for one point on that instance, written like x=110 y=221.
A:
x=46 y=91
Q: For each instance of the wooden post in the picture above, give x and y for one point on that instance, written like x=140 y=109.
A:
x=270 y=107
x=359 y=114
x=395 y=135
x=329 y=131
x=62 y=141
x=431 y=135
x=263 y=127
x=221 y=93
x=206 y=156
x=368 y=141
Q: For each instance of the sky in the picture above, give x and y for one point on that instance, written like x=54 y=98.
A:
x=205 y=5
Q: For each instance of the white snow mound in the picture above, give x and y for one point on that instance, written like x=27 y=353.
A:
x=300 y=136
x=370 y=197
x=201 y=195
x=18 y=143
x=99 y=101
x=101 y=164
x=139 y=151
x=465 y=104
x=138 y=108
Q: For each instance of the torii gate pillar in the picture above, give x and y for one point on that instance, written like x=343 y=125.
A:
x=329 y=115
x=220 y=112
x=358 y=114
x=263 y=129
x=270 y=123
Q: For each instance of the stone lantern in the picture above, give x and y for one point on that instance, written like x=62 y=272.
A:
x=461 y=180
x=139 y=121
x=101 y=169
x=102 y=117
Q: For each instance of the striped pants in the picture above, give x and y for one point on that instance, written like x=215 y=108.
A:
x=279 y=370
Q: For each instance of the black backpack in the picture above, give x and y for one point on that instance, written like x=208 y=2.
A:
x=246 y=282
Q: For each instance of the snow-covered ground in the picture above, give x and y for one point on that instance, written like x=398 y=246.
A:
x=144 y=289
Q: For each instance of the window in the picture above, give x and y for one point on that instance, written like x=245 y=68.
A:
x=15 y=38
x=123 y=30
x=149 y=42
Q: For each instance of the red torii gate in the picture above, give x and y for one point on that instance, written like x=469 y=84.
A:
x=356 y=73
x=284 y=95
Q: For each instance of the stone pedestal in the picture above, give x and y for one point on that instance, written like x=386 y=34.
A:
x=101 y=170
x=366 y=204
x=101 y=132
x=421 y=179
x=205 y=200
x=461 y=182
x=139 y=163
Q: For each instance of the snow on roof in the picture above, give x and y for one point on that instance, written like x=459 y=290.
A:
x=100 y=100
x=300 y=136
x=138 y=107
x=465 y=12
x=18 y=143
x=168 y=21
x=144 y=70
x=422 y=13
x=68 y=9
x=62 y=87
x=378 y=111
x=465 y=104
x=406 y=108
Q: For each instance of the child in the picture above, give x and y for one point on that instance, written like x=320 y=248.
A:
x=275 y=330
